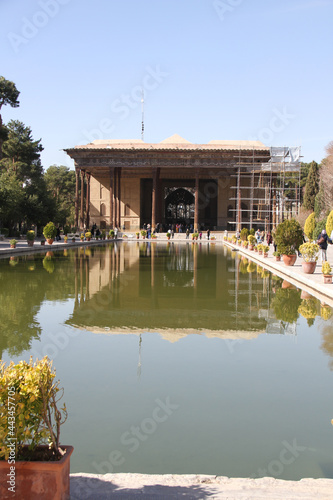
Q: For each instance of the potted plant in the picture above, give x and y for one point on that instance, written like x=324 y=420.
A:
x=277 y=256
x=252 y=241
x=260 y=248
x=88 y=235
x=137 y=235
x=31 y=417
x=73 y=239
x=103 y=234
x=65 y=238
x=50 y=232
x=255 y=248
x=81 y=236
x=288 y=237
x=12 y=243
x=111 y=233
x=309 y=253
x=42 y=241
x=143 y=233
x=327 y=272
x=30 y=238
x=265 y=249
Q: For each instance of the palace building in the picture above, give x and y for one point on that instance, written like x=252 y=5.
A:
x=218 y=185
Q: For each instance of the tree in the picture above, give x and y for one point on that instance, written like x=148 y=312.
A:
x=326 y=174
x=311 y=186
x=11 y=199
x=22 y=161
x=8 y=95
x=60 y=181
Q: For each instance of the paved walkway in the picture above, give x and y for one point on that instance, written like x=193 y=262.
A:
x=195 y=487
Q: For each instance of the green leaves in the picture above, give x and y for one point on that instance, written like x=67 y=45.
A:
x=28 y=400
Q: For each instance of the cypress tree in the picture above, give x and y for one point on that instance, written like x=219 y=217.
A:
x=311 y=186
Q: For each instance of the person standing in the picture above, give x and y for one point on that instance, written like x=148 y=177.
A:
x=322 y=242
x=208 y=234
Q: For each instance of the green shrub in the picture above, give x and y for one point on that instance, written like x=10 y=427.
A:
x=30 y=235
x=329 y=223
x=4 y=231
x=244 y=234
x=288 y=236
x=252 y=231
x=29 y=413
x=310 y=225
x=50 y=231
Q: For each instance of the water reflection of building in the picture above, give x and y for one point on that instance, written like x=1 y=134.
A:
x=173 y=289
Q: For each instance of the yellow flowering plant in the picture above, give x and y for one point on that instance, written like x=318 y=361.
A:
x=29 y=415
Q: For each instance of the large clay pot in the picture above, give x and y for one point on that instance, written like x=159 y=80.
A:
x=309 y=267
x=38 y=480
x=327 y=278
x=289 y=260
x=50 y=241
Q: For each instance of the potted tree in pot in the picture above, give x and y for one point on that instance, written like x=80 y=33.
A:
x=30 y=416
x=50 y=232
x=309 y=253
x=288 y=237
x=13 y=243
x=30 y=238
x=327 y=272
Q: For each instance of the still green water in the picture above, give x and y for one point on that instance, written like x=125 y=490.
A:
x=177 y=359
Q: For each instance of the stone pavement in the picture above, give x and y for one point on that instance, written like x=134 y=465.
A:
x=195 y=487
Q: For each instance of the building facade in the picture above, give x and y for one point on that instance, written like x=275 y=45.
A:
x=219 y=185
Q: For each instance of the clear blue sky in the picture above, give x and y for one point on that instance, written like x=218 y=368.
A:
x=229 y=69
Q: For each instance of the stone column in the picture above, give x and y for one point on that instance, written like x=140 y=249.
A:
x=153 y=200
x=115 y=197
x=82 y=200
x=196 y=201
x=77 y=172
x=88 y=201
x=119 y=198
x=111 y=197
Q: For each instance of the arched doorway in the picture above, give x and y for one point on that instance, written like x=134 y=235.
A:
x=179 y=206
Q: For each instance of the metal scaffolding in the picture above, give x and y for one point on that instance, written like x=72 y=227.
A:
x=266 y=193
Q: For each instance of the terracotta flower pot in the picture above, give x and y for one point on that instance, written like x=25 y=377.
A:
x=30 y=243
x=12 y=246
x=42 y=242
x=277 y=258
x=250 y=247
x=38 y=480
x=327 y=278
x=259 y=252
x=265 y=254
x=50 y=241
x=309 y=267
x=289 y=260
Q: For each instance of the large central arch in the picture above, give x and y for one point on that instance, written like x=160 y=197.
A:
x=179 y=206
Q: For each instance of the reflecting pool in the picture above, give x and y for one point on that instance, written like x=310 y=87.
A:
x=177 y=358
